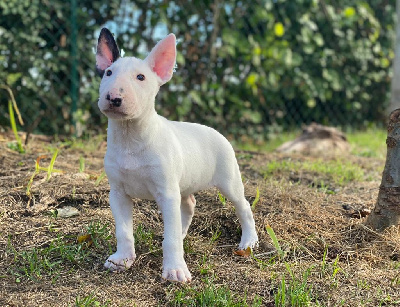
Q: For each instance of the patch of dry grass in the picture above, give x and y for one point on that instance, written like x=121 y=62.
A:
x=331 y=258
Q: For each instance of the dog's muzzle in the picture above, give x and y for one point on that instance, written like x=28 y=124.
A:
x=116 y=102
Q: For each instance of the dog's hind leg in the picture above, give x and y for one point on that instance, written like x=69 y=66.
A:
x=232 y=188
x=187 y=210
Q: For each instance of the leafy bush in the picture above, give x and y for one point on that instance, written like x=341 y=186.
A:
x=244 y=67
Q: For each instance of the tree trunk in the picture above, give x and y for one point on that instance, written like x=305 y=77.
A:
x=387 y=208
x=395 y=86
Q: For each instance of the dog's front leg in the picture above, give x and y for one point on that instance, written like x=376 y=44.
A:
x=174 y=265
x=121 y=207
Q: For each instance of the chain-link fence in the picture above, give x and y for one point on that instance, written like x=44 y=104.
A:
x=247 y=68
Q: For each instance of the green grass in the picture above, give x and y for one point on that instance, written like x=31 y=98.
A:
x=205 y=267
x=88 y=143
x=339 y=171
x=144 y=237
x=38 y=263
x=210 y=294
x=215 y=235
x=64 y=250
x=297 y=288
x=268 y=146
x=295 y=291
x=366 y=143
x=89 y=301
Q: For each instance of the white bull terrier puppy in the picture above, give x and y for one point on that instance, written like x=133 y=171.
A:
x=150 y=157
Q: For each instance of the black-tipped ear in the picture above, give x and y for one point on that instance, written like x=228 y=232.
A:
x=107 y=51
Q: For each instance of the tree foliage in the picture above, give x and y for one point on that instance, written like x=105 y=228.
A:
x=35 y=53
x=244 y=67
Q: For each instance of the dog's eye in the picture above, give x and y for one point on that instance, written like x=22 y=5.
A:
x=140 y=77
x=109 y=73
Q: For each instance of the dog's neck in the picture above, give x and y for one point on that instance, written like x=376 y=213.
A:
x=133 y=133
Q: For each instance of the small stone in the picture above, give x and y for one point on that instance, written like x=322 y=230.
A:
x=67 y=211
x=346 y=207
x=395 y=257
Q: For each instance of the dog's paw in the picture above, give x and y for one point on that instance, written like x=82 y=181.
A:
x=249 y=241
x=118 y=262
x=179 y=274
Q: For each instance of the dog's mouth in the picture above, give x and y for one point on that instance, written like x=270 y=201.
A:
x=114 y=112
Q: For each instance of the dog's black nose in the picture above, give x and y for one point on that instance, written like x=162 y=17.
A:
x=116 y=102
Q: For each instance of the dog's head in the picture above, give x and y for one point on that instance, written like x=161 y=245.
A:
x=129 y=85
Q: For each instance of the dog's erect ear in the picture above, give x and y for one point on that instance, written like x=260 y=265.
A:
x=107 y=51
x=162 y=58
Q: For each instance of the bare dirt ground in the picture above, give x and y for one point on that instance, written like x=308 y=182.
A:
x=318 y=223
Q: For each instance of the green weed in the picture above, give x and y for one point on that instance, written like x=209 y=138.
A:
x=385 y=299
x=12 y=105
x=324 y=263
x=262 y=263
x=50 y=169
x=28 y=188
x=205 y=267
x=101 y=177
x=89 y=301
x=188 y=247
x=81 y=164
x=222 y=198
x=215 y=235
x=330 y=270
x=275 y=242
x=363 y=284
x=99 y=232
x=144 y=237
x=19 y=146
x=396 y=280
x=335 y=267
x=255 y=201
x=211 y=295
x=294 y=292
x=51 y=165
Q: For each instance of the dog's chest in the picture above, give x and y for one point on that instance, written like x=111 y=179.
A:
x=129 y=172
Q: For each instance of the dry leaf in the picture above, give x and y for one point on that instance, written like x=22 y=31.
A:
x=243 y=252
x=360 y=213
x=85 y=238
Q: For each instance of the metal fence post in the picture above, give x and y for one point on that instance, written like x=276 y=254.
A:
x=74 y=65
